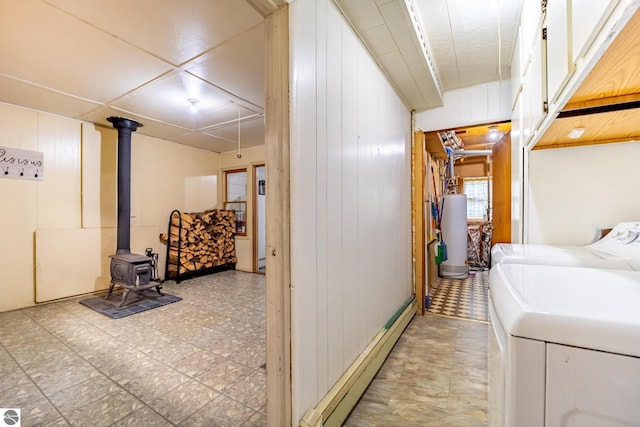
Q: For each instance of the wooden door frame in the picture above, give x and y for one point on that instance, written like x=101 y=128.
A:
x=278 y=207
x=254 y=217
x=417 y=218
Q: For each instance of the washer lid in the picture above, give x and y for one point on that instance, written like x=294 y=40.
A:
x=513 y=253
x=569 y=256
x=582 y=307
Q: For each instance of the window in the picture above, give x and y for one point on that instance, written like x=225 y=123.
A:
x=477 y=191
x=235 y=193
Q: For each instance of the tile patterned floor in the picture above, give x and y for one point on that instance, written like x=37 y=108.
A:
x=463 y=298
x=200 y=362
x=197 y=362
x=436 y=375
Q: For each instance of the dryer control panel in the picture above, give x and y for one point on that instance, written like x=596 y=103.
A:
x=623 y=242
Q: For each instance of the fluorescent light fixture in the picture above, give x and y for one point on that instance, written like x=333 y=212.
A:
x=575 y=133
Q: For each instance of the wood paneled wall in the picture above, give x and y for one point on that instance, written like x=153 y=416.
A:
x=350 y=200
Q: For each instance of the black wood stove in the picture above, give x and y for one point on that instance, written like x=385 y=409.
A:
x=132 y=272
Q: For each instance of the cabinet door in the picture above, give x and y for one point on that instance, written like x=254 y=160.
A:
x=534 y=91
x=530 y=21
x=587 y=17
x=516 y=67
x=558 y=59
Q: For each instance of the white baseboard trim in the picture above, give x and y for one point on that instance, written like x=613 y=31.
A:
x=334 y=408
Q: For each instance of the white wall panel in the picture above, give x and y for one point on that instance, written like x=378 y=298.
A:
x=59 y=192
x=304 y=311
x=485 y=103
x=574 y=191
x=351 y=302
x=335 y=249
x=18 y=212
x=322 y=226
x=350 y=204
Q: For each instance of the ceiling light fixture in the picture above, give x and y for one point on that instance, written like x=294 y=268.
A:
x=194 y=104
x=575 y=133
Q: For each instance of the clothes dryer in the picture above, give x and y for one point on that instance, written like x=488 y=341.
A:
x=565 y=346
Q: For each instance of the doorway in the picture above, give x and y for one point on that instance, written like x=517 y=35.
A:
x=260 y=234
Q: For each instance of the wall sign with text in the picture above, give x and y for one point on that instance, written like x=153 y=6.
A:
x=21 y=164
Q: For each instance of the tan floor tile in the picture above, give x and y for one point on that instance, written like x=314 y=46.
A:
x=222 y=411
x=251 y=390
x=79 y=395
x=150 y=387
x=197 y=362
x=39 y=412
x=21 y=395
x=13 y=379
x=183 y=401
x=53 y=378
x=106 y=410
x=224 y=374
x=143 y=417
x=257 y=420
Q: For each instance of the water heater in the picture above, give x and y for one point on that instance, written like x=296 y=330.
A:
x=454 y=235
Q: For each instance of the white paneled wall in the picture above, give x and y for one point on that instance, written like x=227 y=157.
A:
x=485 y=103
x=350 y=200
x=18 y=211
x=574 y=191
x=46 y=223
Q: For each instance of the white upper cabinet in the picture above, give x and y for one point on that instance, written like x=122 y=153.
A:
x=530 y=22
x=587 y=18
x=534 y=91
x=516 y=69
x=559 y=63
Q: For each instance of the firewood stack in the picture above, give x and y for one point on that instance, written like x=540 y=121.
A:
x=200 y=241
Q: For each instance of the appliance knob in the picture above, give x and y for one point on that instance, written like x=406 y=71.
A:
x=628 y=237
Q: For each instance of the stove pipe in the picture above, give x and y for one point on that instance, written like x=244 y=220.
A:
x=125 y=127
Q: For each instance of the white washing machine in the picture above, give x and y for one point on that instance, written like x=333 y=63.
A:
x=565 y=347
x=620 y=250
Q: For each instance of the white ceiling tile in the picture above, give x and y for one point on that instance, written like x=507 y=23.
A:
x=380 y=40
x=59 y=51
x=464 y=38
x=364 y=14
x=237 y=65
x=166 y=100
x=173 y=30
x=251 y=133
x=204 y=141
x=40 y=98
x=149 y=127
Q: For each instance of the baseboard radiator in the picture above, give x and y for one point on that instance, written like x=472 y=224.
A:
x=334 y=408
